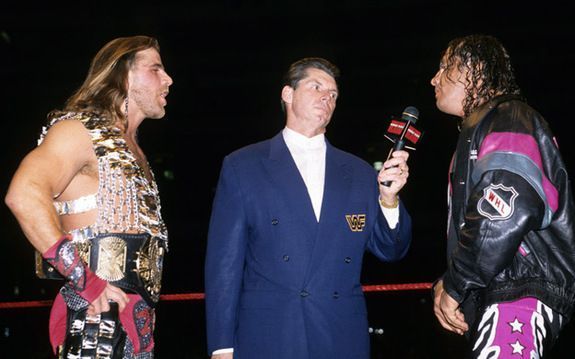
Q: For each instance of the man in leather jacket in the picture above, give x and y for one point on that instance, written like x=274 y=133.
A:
x=510 y=279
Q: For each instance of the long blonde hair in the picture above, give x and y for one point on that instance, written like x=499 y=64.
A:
x=104 y=90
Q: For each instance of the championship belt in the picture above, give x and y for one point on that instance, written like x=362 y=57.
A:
x=127 y=260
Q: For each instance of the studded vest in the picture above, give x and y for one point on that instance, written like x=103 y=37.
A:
x=126 y=200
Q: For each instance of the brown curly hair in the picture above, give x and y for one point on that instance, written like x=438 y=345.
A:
x=488 y=65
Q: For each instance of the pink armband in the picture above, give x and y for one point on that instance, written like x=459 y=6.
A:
x=64 y=257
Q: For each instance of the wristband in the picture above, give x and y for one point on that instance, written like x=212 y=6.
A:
x=64 y=257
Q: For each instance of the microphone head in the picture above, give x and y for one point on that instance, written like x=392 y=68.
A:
x=410 y=114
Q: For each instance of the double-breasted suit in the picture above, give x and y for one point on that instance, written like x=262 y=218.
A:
x=280 y=284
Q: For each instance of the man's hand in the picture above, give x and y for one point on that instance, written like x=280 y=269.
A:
x=395 y=170
x=110 y=293
x=447 y=311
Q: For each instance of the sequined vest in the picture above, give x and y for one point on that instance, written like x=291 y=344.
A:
x=126 y=200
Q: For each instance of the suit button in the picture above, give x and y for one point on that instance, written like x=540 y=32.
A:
x=303 y=294
x=335 y=295
x=286 y=258
x=275 y=221
x=347 y=260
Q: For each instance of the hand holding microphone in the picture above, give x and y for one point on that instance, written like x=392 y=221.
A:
x=394 y=173
x=406 y=132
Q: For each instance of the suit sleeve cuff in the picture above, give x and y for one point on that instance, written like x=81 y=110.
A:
x=391 y=215
x=223 y=351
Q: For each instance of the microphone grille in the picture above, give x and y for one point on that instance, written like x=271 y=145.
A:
x=410 y=114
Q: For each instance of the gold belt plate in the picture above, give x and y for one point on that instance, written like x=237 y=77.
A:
x=111 y=258
x=149 y=267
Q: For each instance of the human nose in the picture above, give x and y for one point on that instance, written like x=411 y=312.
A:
x=168 y=79
x=435 y=79
x=327 y=96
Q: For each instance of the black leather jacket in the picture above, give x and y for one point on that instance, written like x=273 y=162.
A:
x=510 y=230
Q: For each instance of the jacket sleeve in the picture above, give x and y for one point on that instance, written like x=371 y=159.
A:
x=388 y=244
x=227 y=238
x=502 y=207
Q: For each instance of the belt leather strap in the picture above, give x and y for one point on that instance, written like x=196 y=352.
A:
x=98 y=336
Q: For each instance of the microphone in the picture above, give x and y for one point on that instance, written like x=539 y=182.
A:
x=410 y=116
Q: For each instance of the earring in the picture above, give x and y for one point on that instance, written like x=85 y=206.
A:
x=126 y=107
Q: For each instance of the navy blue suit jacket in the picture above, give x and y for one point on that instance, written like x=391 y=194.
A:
x=280 y=284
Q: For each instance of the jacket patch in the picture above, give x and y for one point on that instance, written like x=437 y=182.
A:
x=497 y=202
x=356 y=222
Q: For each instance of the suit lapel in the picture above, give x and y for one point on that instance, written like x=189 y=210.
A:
x=335 y=196
x=289 y=184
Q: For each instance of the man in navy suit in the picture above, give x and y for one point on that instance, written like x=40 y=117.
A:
x=291 y=220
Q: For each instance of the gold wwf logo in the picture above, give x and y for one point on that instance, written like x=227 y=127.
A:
x=111 y=258
x=356 y=222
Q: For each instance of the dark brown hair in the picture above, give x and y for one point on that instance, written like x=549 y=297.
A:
x=489 y=67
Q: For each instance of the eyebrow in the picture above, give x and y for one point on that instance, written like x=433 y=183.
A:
x=318 y=82
x=157 y=64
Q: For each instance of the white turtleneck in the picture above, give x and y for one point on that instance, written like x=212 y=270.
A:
x=309 y=156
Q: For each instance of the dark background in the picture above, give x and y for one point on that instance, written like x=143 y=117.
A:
x=227 y=59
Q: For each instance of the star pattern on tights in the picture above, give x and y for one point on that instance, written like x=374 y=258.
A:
x=516 y=326
x=517 y=348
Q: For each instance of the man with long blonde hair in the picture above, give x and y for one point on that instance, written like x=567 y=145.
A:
x=86 y=199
